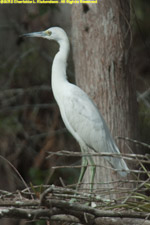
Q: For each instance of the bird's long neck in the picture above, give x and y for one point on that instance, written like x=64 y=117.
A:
x=59 y=65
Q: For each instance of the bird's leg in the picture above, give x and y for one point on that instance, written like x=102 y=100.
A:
x=83 y=169
x=93 y=171
x=82 y=172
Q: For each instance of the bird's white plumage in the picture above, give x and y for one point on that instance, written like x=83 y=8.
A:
x=86 y=124
x=78 y=112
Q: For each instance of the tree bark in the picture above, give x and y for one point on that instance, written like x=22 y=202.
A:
x=101 y=49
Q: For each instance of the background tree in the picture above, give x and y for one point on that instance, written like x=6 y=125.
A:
x=101 y=45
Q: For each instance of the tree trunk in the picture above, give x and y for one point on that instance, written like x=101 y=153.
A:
x=101 y=45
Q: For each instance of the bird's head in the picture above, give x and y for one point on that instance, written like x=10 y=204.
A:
x=53 y=33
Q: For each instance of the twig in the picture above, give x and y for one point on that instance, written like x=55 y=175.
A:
x=17 y=172
x=22 y=107
x=135 y=141
x=79 y=154
x=80 y=166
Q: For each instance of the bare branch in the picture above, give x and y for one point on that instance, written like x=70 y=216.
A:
x=74 y=209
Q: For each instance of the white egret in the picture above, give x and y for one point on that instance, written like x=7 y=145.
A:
x=78 y=112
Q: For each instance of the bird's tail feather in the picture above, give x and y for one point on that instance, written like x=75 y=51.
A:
x=123 y=170
x=118 y=163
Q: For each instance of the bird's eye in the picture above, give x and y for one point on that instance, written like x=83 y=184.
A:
x=49 y=32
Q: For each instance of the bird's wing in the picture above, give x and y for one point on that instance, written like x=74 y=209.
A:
x=86 y=124
x=85 y=119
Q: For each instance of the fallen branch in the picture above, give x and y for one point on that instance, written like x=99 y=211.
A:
x=52 y=205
